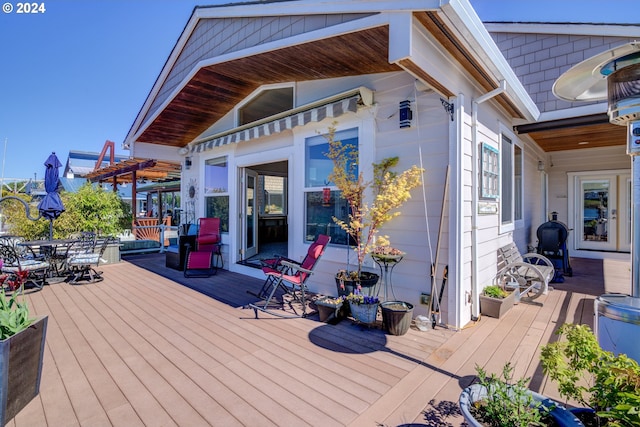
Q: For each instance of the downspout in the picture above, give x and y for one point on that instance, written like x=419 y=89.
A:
x=475 y=299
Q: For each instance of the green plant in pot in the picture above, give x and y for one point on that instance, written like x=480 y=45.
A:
x=608 y=384
x=501 y=400
x=495 y=301
x=495 y=291
x=388 y=191
x=21 y=353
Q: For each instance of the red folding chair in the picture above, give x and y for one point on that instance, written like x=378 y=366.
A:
x=203 y=260
x=290 y=277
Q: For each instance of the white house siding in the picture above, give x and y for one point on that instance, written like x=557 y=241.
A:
x=215 y=37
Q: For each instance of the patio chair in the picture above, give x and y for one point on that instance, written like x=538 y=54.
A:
x=206 y=258
x=18 y=260
x=82 y=265
x=290 y=278
x=209 y=238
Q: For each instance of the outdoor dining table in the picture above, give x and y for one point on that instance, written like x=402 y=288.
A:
x=55 y=253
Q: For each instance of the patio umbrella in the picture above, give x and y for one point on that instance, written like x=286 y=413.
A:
x=51 y=206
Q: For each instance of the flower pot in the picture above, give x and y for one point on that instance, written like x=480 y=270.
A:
x=330 y=312
x=367 y=284
x=496 y=307
x=364 y=313
x=476 y=392
x=20 y=368
x=396 y=317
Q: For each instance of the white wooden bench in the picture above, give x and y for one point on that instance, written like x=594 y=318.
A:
x=532 y=272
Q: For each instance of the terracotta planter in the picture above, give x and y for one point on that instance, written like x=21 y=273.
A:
x=21 y=368
x=496 y=307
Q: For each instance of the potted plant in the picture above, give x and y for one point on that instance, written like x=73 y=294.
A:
x=330 y=309
x=499 y=401
x=396 y=316
x=388 y=191
x=496 y=301
x=384 y=252
x=364 y=308
x=22 y=341
x=606 y=384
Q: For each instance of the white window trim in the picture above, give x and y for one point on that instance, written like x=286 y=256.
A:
x=519 y=223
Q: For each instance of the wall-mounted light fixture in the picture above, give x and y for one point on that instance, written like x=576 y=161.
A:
x=405 y=114
x=540 y=165
x=187 y=163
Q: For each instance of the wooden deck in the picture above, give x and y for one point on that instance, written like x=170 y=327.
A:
x=142 y=348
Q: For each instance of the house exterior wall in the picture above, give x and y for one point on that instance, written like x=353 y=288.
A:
x=467 y=243
x=441 y=142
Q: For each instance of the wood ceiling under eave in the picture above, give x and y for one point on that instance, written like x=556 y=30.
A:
x=432 y=22
x=597 y=135
x=216 y=89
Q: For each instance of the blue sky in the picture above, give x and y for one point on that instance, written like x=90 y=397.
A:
x=77 y=74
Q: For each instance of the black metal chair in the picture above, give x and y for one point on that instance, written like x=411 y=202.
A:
x=82 y=265
x=24 y=268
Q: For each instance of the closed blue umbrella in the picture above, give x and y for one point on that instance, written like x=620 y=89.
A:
x=51 y=206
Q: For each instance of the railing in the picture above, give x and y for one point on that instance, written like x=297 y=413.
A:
x=149 y=229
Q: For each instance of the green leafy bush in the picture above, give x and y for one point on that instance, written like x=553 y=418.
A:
x=596 y=378
x=91 y=208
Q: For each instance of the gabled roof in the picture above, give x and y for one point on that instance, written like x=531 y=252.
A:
x=358 y=37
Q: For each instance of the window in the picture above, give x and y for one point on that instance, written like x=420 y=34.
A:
x=490 y=172
x=266 y=104
x=511 y=177
x=216 y=190
x=322 y=200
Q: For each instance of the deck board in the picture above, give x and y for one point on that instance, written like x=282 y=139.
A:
x=148 y=347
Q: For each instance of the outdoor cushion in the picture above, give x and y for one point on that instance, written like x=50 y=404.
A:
x=29 y=265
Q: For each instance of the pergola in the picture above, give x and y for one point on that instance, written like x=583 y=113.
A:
x=132 y=170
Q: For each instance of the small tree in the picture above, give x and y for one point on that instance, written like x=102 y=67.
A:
x=390 y=191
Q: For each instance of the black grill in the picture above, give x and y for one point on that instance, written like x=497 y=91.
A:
x=552 y=243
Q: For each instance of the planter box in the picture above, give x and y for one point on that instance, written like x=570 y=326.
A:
x=496 y=307
x=329 y=313
x=21 y=368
